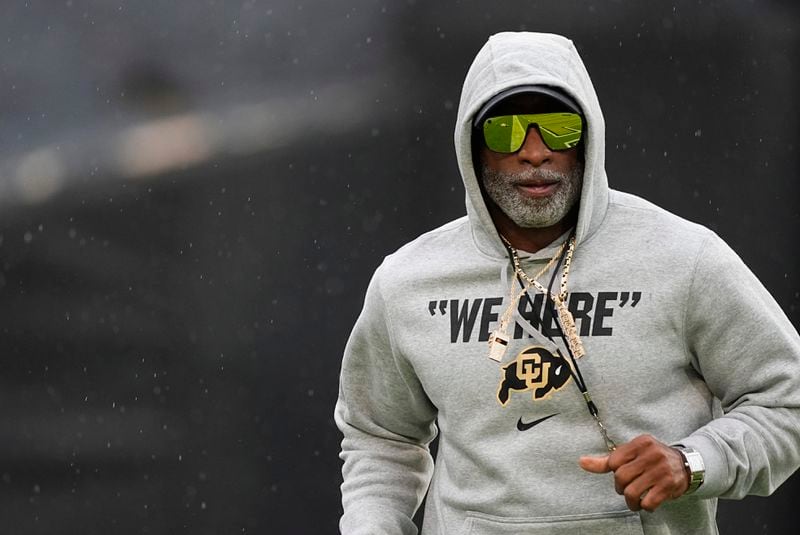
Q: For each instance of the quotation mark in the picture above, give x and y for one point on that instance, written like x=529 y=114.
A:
x=623 y=298
x=442 y=307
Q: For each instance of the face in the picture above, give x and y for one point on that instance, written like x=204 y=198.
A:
x=534 y=187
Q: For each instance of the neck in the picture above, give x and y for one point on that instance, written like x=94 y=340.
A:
x=530 y=239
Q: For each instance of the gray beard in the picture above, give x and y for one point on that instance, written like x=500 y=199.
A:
x=533 y=213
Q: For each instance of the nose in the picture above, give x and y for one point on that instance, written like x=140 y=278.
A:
x=533 y=150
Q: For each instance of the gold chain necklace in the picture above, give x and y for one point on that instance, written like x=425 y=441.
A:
x=498 y=340
x=560 y=299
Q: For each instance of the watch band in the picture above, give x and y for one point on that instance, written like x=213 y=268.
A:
x=693 y=462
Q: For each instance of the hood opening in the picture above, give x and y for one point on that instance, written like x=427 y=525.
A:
x=511 y=63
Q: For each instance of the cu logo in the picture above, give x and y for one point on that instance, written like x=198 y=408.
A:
x=535 y=369
x=532 y=370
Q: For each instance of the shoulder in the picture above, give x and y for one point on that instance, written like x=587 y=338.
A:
x=628 y=205
x=431 y=246
x=671 y=237
x=639 y=215
x=640 y=232
x=428 y=258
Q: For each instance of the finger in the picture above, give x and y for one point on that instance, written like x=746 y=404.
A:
x=663 y=487
x=635 y=491
x=633 y=502
x=596 y=465
x=627 y=473
x=653 y=499
x=624 y=453
x=662 y=468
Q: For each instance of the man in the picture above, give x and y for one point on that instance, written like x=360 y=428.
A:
x=558 y=332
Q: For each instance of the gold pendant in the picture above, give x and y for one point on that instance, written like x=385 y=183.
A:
x=498 y=343
x=570 y=329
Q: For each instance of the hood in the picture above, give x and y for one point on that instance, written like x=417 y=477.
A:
x=512 y=59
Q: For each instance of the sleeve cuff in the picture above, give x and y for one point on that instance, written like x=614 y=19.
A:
x=716 y=480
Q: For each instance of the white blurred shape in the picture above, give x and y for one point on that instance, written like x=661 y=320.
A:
x=165 y=145
x=39 y=175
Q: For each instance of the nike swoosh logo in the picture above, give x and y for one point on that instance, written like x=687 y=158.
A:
x=525 y=426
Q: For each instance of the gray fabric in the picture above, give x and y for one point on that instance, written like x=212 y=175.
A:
x=682 y=343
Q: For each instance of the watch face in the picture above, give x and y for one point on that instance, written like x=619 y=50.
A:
x=694 y=460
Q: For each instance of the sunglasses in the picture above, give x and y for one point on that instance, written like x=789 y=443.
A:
x=506 y=133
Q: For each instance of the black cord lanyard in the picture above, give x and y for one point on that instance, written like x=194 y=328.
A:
x=574 y=370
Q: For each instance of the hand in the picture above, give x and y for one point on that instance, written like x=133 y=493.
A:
x=647 y=472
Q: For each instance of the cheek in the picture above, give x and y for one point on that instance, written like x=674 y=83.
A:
x=568 y=161
x=494 y=160
x=575 y=156
x=485 y=157
x=568 y=157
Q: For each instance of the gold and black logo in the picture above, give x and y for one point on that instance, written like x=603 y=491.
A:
x=535 y=369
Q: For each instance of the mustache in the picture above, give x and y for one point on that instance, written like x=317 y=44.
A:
x=532 y=176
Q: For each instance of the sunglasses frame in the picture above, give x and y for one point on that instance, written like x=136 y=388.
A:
x=521 y=123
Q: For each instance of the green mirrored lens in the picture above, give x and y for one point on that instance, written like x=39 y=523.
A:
x=506 y=133
x=560 y=131
x=503 y=134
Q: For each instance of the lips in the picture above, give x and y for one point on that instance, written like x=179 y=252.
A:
x=537 y=189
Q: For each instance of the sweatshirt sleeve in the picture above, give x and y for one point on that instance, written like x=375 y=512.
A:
x=388 y=422
x=749 y=355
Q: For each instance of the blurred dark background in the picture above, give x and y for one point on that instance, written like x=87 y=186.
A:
x=193 y=196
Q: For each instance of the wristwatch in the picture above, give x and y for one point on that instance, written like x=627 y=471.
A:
x=693 y=462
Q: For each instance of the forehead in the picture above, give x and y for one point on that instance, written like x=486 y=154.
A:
x=527 y=103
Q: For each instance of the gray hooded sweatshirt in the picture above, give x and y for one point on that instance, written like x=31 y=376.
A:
x=682 y=343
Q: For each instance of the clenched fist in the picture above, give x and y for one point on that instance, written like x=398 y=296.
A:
x=647 y=472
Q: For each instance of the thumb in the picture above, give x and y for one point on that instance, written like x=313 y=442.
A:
x=597 y=465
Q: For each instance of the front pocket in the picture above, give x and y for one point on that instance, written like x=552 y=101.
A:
x=610 y=523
